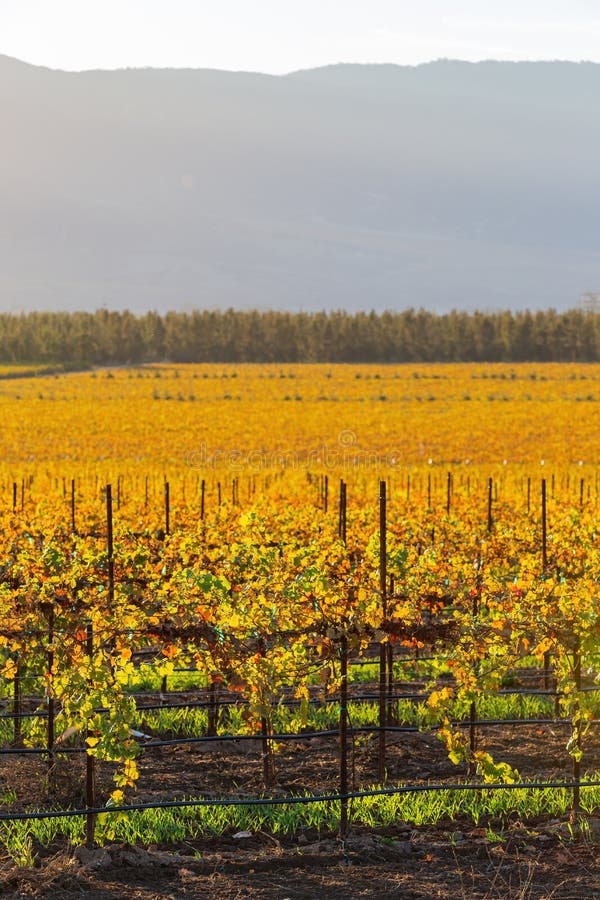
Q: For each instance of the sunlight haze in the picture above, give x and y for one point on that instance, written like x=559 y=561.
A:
x=279 y=36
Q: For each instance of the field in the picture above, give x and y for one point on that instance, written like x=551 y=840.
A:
x=367 y=595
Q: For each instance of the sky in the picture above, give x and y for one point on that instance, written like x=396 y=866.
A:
x=279 y=36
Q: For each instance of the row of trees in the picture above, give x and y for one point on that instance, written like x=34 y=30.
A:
x=104 y=337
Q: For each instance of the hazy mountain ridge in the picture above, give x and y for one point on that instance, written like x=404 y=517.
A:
x=448 y=184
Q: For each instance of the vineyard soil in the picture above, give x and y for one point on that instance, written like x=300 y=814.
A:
x=535 y=858
x=531 y=863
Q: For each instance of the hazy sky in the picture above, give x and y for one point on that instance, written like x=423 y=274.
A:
x=282 y=35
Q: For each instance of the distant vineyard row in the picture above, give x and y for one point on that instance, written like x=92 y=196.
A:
x=106 y=337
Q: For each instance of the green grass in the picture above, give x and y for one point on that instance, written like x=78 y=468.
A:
x=194 y=722
x=146 y=679
x=171 y=826
x=190 y=722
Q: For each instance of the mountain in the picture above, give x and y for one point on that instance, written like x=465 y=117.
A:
x=450 y=184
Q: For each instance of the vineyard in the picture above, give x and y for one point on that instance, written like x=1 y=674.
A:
x=247 y=597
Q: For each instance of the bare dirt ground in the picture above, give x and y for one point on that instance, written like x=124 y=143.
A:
x=530 y=864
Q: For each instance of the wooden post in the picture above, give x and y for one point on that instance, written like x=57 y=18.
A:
x=391 y=717
x=167 y=509
x=343 y=724
x=267 y=753
x=50 y=688
x=472 y=736
x=17 y=702
x=342 y=512
x=90 y=766
x=544 y=527
x=73 y=529
x=212 y=709
x=490 y=521
x=473 y=706
x=382 y=648
x=109 y=544
x=577 y=759
x=343 y=719
x=202 y=496
x=544 y=567
x=267 y=748
x=448 y=492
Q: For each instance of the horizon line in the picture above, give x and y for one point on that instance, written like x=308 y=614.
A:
x=316 y=68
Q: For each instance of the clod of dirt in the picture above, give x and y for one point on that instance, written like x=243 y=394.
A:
x=370 y=848
x=98 y=858
x=137 y=857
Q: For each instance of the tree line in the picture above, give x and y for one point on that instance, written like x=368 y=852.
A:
x=104 y=337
